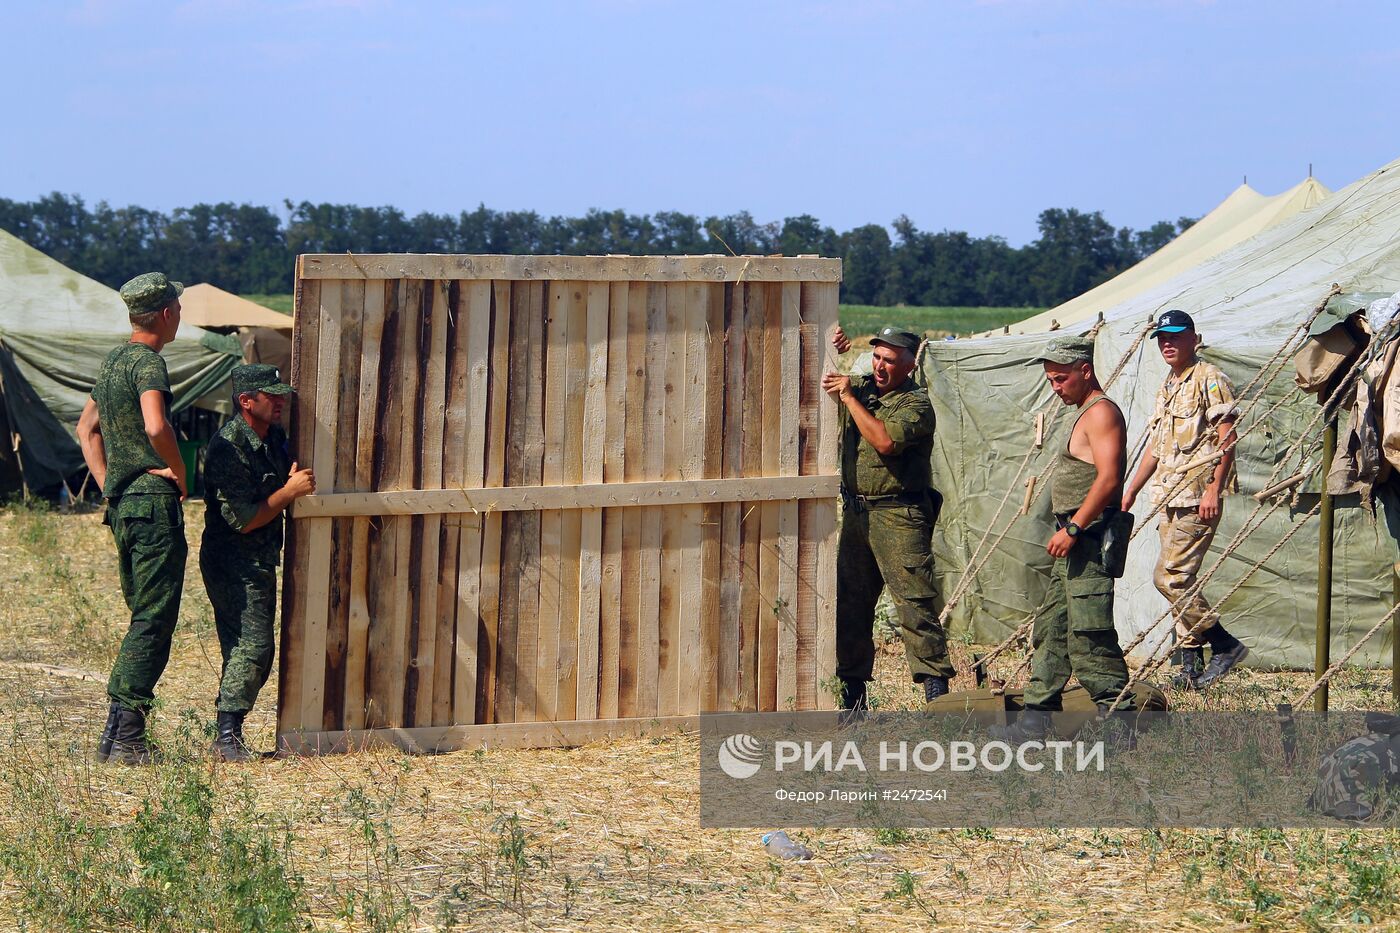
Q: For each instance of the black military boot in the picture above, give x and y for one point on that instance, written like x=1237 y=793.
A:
x=130 y=745
x=853 y=702
x=104 y=744
x=1193 y=662
x=1221 y=663
x=1033 y=725
x=229 y=745
x=935 y=687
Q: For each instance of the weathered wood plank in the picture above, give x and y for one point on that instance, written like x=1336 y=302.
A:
x=731 y=566
x=711 y=514
x=594 y=428
x=294 y=579
x=318 y=536
x=386 y=657
x=352 y=304
x=570 y=268
x=571 y=534
x=692 y=394
x=672 y=442
x=489 y=644
x=528 y=569
x=634 y=470
x=366 y=427
x=474 y=321
x=614 y=453
x=810 y=397
x=432 y=406
x=825 y=309
x=769 y=555
x=751 y=523
x=790 y=297
x=556 y=389
x=435 y=740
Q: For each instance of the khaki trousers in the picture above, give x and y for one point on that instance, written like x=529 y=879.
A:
x=1185 y=538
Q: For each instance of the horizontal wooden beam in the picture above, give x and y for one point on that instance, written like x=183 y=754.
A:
x=587 y=496
x=568 y=268
x=435 y=739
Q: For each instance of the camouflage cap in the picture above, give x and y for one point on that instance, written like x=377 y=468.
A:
x=150 y=291
x=259 y=377
x=899 y=339
x=1067 y=350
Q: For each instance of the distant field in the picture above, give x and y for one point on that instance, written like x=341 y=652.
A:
x=861 y=320
x=857 y=320
x=281 y=303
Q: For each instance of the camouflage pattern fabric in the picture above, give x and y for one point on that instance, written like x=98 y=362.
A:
x=128 y=372
x=1074 y=633
x=1186 y=427
x=150 y=535
x=908 y=417
x=1354 y=780
x=887 y=547
x=244 y=596
x=1186 y=539
x=240 y=471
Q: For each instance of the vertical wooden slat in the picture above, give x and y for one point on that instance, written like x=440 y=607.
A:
x=614 y=452
x=731 y=654
x=352 y=305
x=810 y=397
x=672 y=529
x=571 y=535
x=454 y=471
x=654 y=462
x=769 y=555
x=528 y=569
x=790 y=352
x=825 y=309
x=556 y=389
x=634 y=468
x=367 y=410
x=385 y=658
x=711 y=514
x=318 y=531
x=294 y=580
x=594 y=429
x=754 y=297
x=691 y=393
x=432 y=403
x=489 y=644
x=474 y=322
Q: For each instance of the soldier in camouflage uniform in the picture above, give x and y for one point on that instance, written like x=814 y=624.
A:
x=249 y=482
x=1194 y=419
x=130 y=449
x=1361 y=775
x=889 y=507
x=1073 y=631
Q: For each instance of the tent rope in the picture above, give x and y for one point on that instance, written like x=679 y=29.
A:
x=1327 y=675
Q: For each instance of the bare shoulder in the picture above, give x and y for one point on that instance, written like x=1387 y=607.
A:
x=1105 y=417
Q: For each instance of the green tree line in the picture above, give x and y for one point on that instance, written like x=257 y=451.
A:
x=250 y=249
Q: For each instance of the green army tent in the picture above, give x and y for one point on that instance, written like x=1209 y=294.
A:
x=1246 y=302
x=56 y=326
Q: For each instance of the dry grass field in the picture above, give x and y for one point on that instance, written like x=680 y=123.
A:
x=602 y=837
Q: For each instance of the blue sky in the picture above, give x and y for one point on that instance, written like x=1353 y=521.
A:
x=963 y=115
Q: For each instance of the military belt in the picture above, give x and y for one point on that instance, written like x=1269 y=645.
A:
x=895 y=500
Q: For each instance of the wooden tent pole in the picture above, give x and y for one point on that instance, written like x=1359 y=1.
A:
x=1324 y=569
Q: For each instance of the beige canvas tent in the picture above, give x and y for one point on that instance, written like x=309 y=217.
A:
x=1244 y=214
x=209 y=306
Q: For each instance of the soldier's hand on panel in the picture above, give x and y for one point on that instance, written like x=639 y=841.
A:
x=300 y=482
x=836 y=385
x=840 y=341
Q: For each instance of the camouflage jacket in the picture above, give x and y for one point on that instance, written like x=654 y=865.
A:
x=908 y=417
x=128 y=372
x=1185 y=427
x=240 y=471
x=1355 y=779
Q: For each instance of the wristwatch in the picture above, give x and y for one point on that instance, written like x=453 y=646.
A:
x=1072 y=530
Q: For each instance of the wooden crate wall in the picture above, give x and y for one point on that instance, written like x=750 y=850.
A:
x=558 y=497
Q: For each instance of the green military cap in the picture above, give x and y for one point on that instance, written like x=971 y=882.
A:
x=1067 y=351
x=259 y=377
x=899 y=339
x=150 y=291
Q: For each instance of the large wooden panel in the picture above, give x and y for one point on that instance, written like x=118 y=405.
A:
x=557 y=490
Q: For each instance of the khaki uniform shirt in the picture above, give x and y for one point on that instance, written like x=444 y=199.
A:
x=908 y=417
x=1185 y=427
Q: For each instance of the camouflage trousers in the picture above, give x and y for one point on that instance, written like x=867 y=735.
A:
x=1185 y=538
x=1074 y=633
x=244 y=596
x=887 y=548
x=149 y=531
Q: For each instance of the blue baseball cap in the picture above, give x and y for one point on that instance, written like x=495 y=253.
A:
x=1173 y=322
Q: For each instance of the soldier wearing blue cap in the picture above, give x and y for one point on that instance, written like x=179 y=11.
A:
x=889 y=506
x=131 y=451
x=249 y=481
x=1194 y=420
